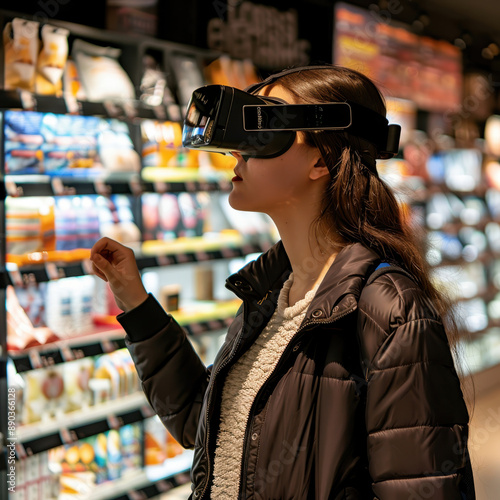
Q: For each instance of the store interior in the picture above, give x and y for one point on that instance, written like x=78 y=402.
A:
x=92 y=99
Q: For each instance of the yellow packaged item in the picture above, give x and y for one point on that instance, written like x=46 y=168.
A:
x=20 y=40
x=51 y=60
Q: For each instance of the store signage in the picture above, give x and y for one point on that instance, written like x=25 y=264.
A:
x=405 y=65
x=265 y=35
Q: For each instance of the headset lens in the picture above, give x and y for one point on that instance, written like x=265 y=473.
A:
x=201 y=116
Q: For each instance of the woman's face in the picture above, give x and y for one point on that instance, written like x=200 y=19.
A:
x=273 y=185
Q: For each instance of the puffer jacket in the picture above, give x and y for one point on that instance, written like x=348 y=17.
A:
x=364 y=404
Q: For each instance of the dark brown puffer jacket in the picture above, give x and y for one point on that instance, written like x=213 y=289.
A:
x=365 y=402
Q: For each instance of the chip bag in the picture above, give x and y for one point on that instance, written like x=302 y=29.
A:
x=20 y=39
x=51 y=60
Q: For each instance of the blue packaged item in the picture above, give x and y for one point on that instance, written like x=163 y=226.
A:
x=23 y=142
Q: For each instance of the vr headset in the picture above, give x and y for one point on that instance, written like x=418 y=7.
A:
x=223 y=119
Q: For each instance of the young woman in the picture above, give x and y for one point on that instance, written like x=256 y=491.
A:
x=336 y=379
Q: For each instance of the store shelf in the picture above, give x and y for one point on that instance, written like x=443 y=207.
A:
x=70 y=427
x=154 y=254
x=123 y=110
x=147 y=483
x=197 y=321
x=102 y=341
x=165 y=180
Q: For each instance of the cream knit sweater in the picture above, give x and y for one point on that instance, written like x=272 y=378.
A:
x=243 y=382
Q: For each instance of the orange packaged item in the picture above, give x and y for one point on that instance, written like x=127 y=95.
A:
x=71 y=81
x=20 y=39
x=173 y=446
x=155 y=441
x=51 y=60
x=30 y=225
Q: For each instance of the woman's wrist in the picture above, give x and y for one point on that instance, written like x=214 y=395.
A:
x=134 y=302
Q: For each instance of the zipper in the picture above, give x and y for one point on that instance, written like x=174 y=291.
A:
x=207 y=425
x=284 y=356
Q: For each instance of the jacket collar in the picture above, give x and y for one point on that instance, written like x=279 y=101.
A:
x=345 y=278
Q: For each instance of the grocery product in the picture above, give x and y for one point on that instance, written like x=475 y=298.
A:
x=100 y=72
x=155 y=441
x=51 y=60
x=20 y=40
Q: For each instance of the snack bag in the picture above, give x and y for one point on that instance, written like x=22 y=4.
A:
x=100 y=72
x=20 y=39
x=51 y=60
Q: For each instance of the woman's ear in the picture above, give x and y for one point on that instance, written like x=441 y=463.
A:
x=318 y=170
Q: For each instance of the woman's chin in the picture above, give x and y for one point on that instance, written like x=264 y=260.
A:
x=237 y=202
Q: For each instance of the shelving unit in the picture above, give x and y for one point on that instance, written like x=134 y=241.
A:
x=46 y=267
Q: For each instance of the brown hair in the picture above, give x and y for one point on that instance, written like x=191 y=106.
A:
x=358 y=206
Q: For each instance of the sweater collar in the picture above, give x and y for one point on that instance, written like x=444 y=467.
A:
x=346 y=277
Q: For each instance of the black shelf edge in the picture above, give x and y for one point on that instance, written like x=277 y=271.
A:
x=69 y=435
x=41 y=273
x=68 y=350
x=46 y=185
x=158 y=487
x=53 y=354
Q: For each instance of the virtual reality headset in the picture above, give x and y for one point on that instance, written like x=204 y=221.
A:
x=223 y=119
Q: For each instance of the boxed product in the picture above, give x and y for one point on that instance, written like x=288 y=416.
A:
x=162 y=142
x=131 y=447
x=30 y=224
x=70 y=144
x=77 y=222
x=23 y=142
x=116 y=218
x=116 y=149
x=161 y=216
x=193 y=213
x=77 y=375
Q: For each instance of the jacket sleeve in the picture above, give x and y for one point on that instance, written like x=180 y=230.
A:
x=172 y=375
x=416 y=418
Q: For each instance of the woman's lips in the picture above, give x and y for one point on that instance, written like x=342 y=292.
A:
x=236 y=178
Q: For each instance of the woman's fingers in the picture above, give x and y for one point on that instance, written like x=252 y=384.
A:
x=98 y=272
x=107 y=248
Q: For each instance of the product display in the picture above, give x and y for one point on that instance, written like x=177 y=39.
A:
x=96 y=460
x=66 y=145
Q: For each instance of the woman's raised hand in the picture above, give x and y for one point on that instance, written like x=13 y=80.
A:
x=115 y=263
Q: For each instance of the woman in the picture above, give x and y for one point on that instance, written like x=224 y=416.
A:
x=336 y=378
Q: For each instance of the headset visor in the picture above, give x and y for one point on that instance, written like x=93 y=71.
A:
x=223 y=119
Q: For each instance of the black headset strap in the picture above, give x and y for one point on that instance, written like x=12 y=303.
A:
x=384 y=136
x=271 y=79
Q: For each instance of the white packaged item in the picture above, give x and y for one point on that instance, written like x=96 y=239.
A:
x=81 y=303
x=58 y=308
x=116 y=149
x=52 y=60
x=20 y=40
x=101 y=75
